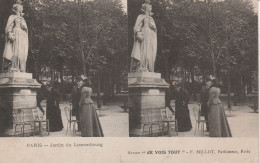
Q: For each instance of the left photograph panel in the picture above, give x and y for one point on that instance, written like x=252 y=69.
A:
x=63 y=68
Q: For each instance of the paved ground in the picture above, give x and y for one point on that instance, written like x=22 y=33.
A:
x=113 y=119
x=243 y=122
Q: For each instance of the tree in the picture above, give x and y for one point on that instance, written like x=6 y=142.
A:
x=211 y=37
x=74 y=38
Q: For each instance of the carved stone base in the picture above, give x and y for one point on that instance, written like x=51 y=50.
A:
x=17 y=91
x=146 y=98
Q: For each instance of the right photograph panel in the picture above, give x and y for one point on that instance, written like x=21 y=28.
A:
x=193 y=68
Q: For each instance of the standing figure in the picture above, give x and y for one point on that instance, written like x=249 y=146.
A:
x=170 y=94
x=76 y=94
x=16 y=42
x=145 y=41
x=204 y=97
x=89 y=121
x=218 y=124
x=203 y=101
x=182 y=111
x=53 y=112
x=42 y=94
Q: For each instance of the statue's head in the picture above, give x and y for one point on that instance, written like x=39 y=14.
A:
x=18 y=7
x=147 y=8
x=148 y=1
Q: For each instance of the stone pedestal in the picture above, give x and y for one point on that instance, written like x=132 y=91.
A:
x=146 y=98
x=17 y=91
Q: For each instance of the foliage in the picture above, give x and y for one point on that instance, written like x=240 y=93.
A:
x=74 y=38
x=208 y=38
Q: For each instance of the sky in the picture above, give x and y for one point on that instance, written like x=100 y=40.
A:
x=254 y=2
x=124 y=3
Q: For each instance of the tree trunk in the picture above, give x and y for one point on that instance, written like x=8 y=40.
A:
x=243 y=84
x=193 y=85
x=112 y=85
x=204 y=73
x=98 y=91
x=62 y=84
x=35 y=69
x=73 y=75
x=166 y=66
x=185 y=75
x=250 y=86
x=106 y=95
x=84 y=66
x=52 y=76
x=214 y=69
x=229 y=90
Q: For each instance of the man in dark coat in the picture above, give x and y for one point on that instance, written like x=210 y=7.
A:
x=204 y=97
x=76 y=94
x=42 y=94
x=170 y=94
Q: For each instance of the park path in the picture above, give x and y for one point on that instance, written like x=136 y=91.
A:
x=113 y=119
x=243 y=122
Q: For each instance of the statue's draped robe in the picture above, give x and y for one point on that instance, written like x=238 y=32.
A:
x=17 y=50
x=144 y=52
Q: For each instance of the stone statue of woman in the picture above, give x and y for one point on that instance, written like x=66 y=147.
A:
x=145 y=41
x=16 y=42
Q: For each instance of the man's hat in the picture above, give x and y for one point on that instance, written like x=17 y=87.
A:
x=210 y=78
x=83 y=77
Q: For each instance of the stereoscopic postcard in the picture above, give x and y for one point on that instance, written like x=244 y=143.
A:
x=129 y=81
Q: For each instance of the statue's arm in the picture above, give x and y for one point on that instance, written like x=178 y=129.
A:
x=24 y=25
x=138 y=29
x=138 y=25
x=152 y=24
x=9 y=32
x=10 y=28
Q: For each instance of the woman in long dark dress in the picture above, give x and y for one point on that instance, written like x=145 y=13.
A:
x=89 y=121
x=182 y=112
x=53 y=113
